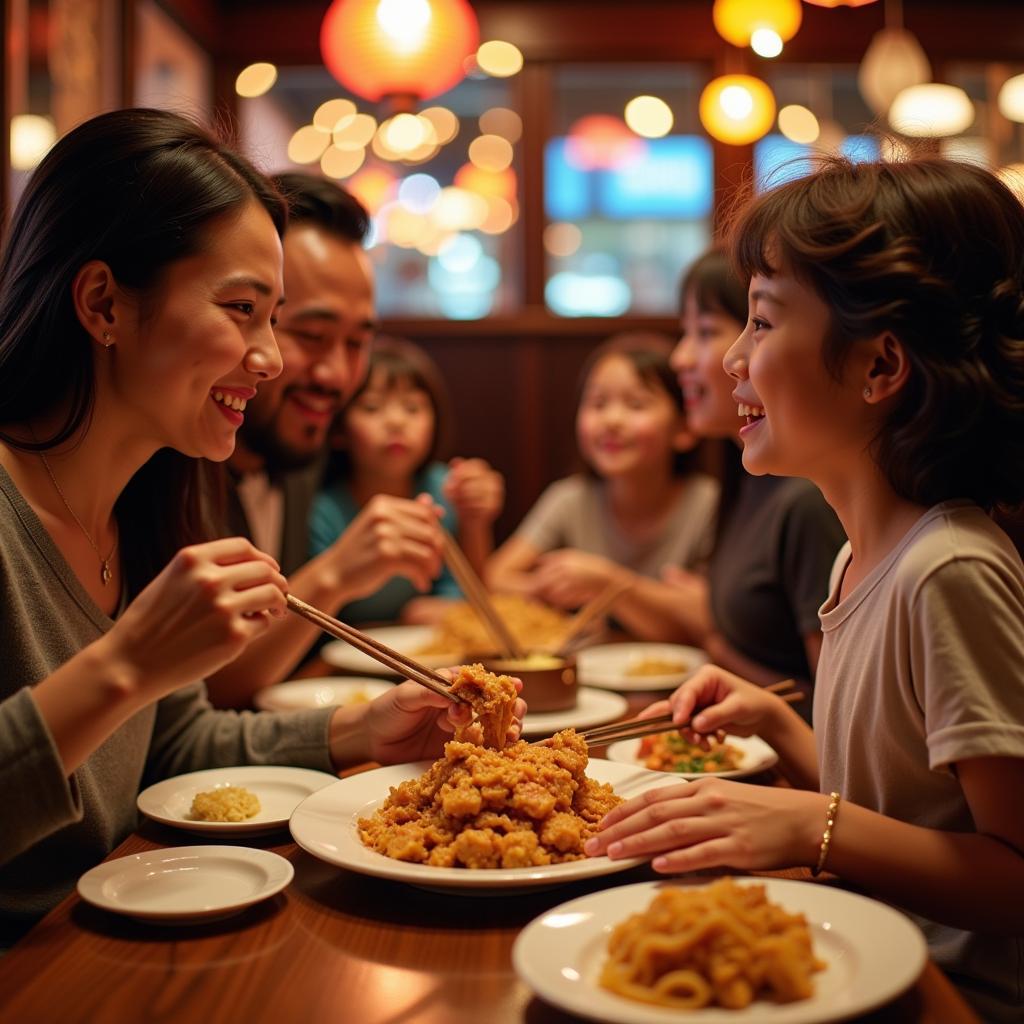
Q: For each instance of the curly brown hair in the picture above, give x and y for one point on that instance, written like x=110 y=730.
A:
x=932 y=251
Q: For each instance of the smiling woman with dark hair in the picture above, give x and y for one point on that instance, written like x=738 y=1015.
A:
x=138 y=290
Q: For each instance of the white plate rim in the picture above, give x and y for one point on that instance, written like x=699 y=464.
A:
x=607 y=907
x=616 y=680
x=765 y=757
x=593 y=707
x=265 y=699
x=90 y=885
x=339 y=654
x=338 y=806
x=150 y=800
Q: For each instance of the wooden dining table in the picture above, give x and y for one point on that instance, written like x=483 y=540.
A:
x=334 y=946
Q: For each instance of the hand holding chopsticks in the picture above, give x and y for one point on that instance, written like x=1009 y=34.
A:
x=387 y=656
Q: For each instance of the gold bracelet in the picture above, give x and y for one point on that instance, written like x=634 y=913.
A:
x=826 y=838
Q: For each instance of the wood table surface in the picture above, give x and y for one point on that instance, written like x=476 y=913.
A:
x=334 y=946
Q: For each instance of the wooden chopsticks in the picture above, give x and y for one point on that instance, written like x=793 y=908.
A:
x=476 y=594
x=595 y=607
x=387 y=656
x=635 y=728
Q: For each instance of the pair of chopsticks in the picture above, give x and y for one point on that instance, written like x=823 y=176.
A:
x=593 y=609
x=635 y=728
x=476 y=594
x=387 y=656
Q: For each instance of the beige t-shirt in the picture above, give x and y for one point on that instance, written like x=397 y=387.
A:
x=922 y=665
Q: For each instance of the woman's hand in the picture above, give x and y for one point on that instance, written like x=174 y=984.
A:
x=568 y=578
x=410 y=722
x=713 y=699
x=714 y=823
x=475 y=490
x=197 y=615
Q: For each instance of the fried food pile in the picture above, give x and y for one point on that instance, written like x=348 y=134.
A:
x=493 y=699
x=478 y=808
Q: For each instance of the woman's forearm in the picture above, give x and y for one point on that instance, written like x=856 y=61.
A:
x=963 y=879
x=652 y=610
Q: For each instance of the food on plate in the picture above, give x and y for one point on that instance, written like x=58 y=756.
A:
x=492 y=698
x=523 y=806
x=657 y=667
x=720 y=945
x=670 y=752
x=225 y=803
x=462 y=632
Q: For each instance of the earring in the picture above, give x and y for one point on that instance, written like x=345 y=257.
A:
x=867 y=391
x=108 y=339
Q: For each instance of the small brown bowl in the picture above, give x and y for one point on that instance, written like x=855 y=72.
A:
x=549 y=683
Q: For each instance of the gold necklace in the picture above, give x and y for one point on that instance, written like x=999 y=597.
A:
x=105 y=573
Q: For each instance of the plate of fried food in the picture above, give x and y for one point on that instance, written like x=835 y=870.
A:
x=638 y=666
x=728 y=757
x=476 y=819
x=244 y=800
x=770 y=950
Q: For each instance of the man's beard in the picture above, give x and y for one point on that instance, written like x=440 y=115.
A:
x=261 y=439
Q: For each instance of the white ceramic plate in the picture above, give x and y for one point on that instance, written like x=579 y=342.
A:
x=187 y=883
x=280 y=790
x=873 y=953
x=319 y=693
x=757 y=756
x=593 y=707
x=408 y=640
x=325 y=825
x=608 y=666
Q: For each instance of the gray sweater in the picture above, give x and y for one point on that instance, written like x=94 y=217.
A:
x=52 y=827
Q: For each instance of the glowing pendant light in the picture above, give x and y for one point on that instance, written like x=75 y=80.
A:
x=737 y=109
x=931 y=111
x=404 y=50
x=893 y=61
x=738 y=20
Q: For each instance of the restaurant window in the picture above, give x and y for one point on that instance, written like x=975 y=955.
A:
x=445 y=235
x=823 y=112
x=626 y=212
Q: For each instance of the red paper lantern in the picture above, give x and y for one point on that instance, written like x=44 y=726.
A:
x=403 y=49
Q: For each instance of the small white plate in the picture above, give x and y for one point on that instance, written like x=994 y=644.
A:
x=187 y=883
x=325 y=825
x=593 y=707
x=326 y=692
x=872 y=952
x=280 y=790
x=408 y=640
x=757 y=756
x=608 y=665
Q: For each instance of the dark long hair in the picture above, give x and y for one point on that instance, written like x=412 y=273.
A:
x=715 y=286
x=932 y=251
x=138 y=189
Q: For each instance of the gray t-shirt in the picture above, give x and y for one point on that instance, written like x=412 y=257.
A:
x=769 y=571
x=574 y=513
x=52 y=827
x=922 y=666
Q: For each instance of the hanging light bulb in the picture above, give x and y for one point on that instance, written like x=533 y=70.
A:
x=737 y=109
x=1011 y=98
x=403 y=49
x=738 y=20
x=931 y=110
x=893 y=61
